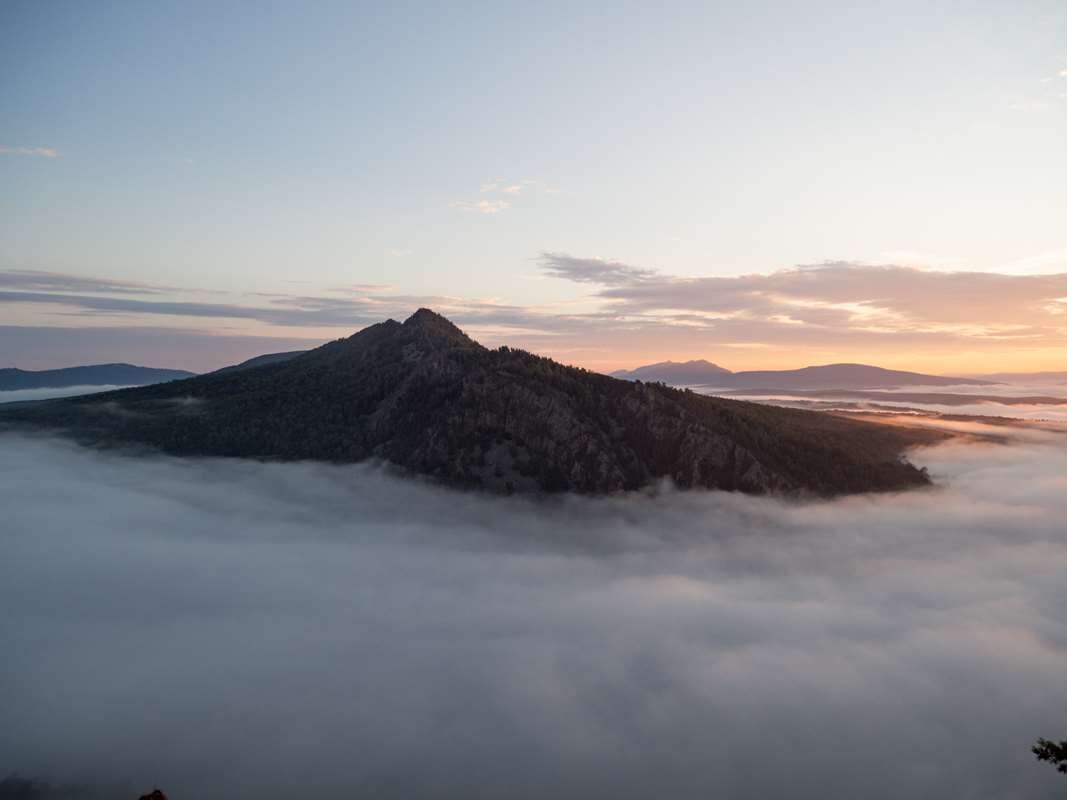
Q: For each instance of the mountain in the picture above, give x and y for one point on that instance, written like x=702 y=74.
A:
x=1027 y=377
x=259 y=361
x=924 y=398
x=423 y=396
x=94 y=375
x=685 y=373
x=829 y=376
x=843 y=376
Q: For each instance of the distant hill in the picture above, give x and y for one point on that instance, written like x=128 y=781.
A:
x=925 y=398
x=1027 y=377
x=685 y=373
x=844 y=376
x=425 y=397
x=94 y=375
x=829 y=376
x=260 y=361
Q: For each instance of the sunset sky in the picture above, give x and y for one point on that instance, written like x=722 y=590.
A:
x=765 y=185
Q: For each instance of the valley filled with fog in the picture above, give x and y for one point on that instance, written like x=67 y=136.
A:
x=53 y=392
x=533 y=401
x=233 y=628
x=1017 y=399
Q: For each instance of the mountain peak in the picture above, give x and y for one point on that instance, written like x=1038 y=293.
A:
x=434 y=326
x=423 y=316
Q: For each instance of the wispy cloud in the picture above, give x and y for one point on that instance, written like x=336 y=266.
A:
x=296 y=311
x=481 y=206
x=359 y=305
x=39 y=281
x=502 y=194
x=592 y=270
x=41 y=152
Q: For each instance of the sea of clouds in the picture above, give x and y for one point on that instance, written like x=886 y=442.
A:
x=238 y=629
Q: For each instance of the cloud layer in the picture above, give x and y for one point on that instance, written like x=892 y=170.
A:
x=841 y=295
x=240 y=629
x=932 y=320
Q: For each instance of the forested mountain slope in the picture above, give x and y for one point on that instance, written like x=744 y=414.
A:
x=427 y=398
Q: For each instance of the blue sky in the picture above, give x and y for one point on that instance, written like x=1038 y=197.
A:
x=436 y=151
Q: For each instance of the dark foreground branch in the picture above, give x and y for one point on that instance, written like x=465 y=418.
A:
x=1053 y=752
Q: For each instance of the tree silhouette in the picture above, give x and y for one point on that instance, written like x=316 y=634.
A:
x=1053 y=752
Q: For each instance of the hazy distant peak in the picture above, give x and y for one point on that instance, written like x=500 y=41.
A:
x=842 y=376
x=685 y=372
x=821 y=376
x=114 y=374
x=843 y=366
x=696 y=362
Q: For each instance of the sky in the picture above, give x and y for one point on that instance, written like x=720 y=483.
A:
x=765 y=185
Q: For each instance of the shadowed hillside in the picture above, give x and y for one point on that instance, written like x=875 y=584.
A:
x=425 y=397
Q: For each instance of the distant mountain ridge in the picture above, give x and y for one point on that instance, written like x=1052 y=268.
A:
x=684 y=373
x=1027 y=377
x=425 y=397
x=940 y=398
x=92 y=375
x=827 y=376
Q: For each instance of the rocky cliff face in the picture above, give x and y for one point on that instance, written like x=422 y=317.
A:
x=424 y=396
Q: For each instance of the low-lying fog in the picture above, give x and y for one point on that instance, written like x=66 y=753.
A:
x=52 y=392
x=234 y=629
x=1007 y=405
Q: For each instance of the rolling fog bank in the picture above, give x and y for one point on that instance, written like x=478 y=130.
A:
x=236 y=629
